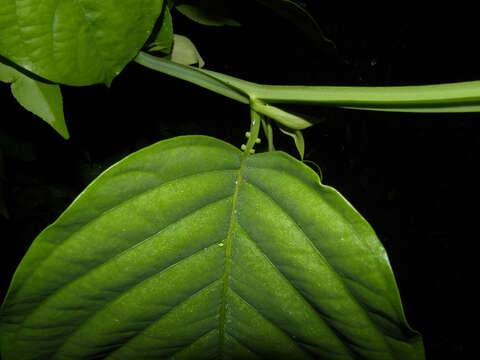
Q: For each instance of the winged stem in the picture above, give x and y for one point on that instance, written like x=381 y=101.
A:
x=453 y=97
x=192 y=75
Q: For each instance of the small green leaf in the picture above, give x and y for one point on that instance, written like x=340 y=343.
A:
x=41 y=98
x=135 y=267
x=184 y=52
x=207 y=12
x=75 y=42
x=163 y=40
x=297 y=137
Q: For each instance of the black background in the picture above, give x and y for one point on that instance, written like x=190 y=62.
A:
x=412 y=176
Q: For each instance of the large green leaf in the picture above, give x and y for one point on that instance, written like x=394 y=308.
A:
x=75 y=42
x=189 y=249
x=42 y=99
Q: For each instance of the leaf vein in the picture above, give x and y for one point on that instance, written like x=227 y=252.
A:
x=241 y=343
x=119 y=254
x=267 y=319
x=132 y=288
x=193 y=343
x=91 y=221
x=335 y=273
x=142 y=331
x=228 y=259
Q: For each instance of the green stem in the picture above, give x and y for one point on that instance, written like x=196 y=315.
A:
x=454 y=97
x=268 y=130
x=190 y=74
x=255 y=122
x=285 y=118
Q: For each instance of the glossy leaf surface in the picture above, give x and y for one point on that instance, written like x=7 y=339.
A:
x=42 y=99
x=189 y=249
x=75 y=42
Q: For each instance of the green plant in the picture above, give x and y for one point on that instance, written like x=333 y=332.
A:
x=192 y=247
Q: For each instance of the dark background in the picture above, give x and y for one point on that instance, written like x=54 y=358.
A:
x=412 y=176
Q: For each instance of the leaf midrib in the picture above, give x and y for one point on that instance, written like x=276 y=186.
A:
x=228 y=257
x=38 y=306
x=142 y=281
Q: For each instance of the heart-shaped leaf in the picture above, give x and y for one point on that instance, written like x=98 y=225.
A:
x=75 y=42
x=190 y=249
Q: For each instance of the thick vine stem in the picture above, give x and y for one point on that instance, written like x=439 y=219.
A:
x=444 y=98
